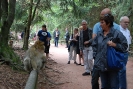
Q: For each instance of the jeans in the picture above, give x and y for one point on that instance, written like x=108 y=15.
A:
x=109 y=79
x=72 y=53
x=122 y=75
x=95 y=78
x=56 y=41
x=88 y=59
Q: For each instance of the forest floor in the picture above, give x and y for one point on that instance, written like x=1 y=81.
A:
x=57 y=74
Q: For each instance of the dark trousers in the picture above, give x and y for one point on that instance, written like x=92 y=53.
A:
x=95 y=78
x=56 y=41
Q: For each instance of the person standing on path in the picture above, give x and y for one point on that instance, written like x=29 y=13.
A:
x=44 y=37
x=81 y=59
x=48 y=46
x=67 y=36
x=72 y=47
x=85 y=47
x=109 y=78
x=124 y=22
x=56 y=35
x=97 y=27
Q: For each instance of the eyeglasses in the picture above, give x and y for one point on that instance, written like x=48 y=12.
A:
x=106 y=15
x=126 y=22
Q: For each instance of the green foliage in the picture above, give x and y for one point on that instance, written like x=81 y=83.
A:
x=0 y=24
x=69 y=13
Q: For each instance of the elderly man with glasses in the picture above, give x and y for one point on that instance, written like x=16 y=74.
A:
x=124 y=22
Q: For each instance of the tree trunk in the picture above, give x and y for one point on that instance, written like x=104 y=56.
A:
x=27 y=29
x=7 y=17
x=0 y=13
x=30 y=19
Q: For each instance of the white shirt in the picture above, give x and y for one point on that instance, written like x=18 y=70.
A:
x=57 y=34
x=126 y=33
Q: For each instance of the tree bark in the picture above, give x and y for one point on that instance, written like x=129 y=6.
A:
x=0 y=18
x=7 y=19
x=0 y=12
x=30 y=19
x=27 y=29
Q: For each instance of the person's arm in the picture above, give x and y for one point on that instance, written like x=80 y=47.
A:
x=38 y=35
x=80 y=41
x=94 y=46
x=95 y=30
x=94 y=35
x=80 y=44
x=119 y=43
x=130 y=37
x=49 y=36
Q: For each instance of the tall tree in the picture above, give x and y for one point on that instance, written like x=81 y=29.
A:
x=31 y=15
x=7 y=12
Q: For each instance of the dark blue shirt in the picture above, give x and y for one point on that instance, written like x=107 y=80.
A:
x=43 y=36
x=49 y=35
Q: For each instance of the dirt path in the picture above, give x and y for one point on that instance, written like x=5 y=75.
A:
x=72 y=74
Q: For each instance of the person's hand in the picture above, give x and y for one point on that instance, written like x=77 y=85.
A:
x=110 y=43
x=86 y=42
x=74 y=39
x=76 y=35
x=48 y=39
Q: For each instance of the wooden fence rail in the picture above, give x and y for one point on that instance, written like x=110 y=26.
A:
x=32 y=80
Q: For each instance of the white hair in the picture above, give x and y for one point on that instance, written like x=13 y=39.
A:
x=123 y=17
x=84 y=21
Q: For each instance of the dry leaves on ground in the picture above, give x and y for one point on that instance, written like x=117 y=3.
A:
x=48 y=78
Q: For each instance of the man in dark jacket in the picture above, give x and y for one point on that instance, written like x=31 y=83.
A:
x=85 y=40
x=67 y=36
x=56 y=35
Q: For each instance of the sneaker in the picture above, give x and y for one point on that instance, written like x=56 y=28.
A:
x=82 y=64
x=85 y=73
x=68 y=62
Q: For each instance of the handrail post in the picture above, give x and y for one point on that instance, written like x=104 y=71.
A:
x=32 y=80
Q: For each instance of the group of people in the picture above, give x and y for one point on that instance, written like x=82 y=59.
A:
x=56 y=35
x=73 y=48
x=91 y=46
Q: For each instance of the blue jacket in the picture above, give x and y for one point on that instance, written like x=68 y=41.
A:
x=99 y=45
